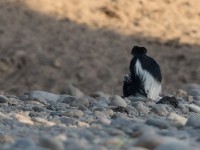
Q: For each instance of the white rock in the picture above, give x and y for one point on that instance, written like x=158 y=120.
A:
x=177 y=119
x=117 y=101
x=42 y=95
x=193 y=107
x=194 y=121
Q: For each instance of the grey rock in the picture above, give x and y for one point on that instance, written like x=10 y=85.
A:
x=37 y=109
x=43 y=96
x=73 y=91
x=98 y=104
x=193 y=108
x=181 y=94
x=176 y=119
x=73 y=113
x=194 y=121
x=173 y=146
x=194 y=92
x=117 y=101
x=160 y=109
x=51 y=143
x=160 y=123
x=68 y=120
x=105 y=121
x=109 y=112
x=3 y=99
x=100 y=114
x=100 y=94
x=132 y=112
x=103 y=99
x=67 y=99
x=149 y=140
x=24 y=143
x=141 y=108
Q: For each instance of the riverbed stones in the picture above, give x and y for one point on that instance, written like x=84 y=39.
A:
x=117 y=101
x=54 y=121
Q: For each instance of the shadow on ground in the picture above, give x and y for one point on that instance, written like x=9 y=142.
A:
x=40 y=52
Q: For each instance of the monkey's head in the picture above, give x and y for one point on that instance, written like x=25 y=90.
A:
x=138 y=50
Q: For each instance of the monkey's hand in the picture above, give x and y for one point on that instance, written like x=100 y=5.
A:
x=127 y=79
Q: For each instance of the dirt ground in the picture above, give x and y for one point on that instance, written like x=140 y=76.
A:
x=48 y=44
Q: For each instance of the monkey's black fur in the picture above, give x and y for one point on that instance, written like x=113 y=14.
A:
x=135 y=86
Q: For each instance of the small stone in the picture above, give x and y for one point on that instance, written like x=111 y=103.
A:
x=173 y=146
x=3 y=99
x=109 y=112
x=100 y=94
x=83 y=124
x=51 y=143
x=194 y=92
x=23 y=118
x=100 y=114
x=193 y=108
x=25 y=143
x=73 y=113
x=6 y=139
x=117 y=101
x=141 y=108
x=3 y=116
x=160 y=110
x=42 y=95
x=37 y=109
x=67 y=99
x=160 y=123
x=149 y=140
x=194 y=121
x=105 y=121
x=103 y=99
x=73 y=91
x=68 y=120
x=181 y=94
x=42 y=121
x=132 y=112
x=176 y=119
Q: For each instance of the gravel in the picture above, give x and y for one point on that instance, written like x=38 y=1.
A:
x=57 y=122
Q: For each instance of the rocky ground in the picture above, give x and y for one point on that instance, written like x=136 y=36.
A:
x=42 y=120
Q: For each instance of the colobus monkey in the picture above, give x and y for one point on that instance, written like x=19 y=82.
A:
x=145 y=76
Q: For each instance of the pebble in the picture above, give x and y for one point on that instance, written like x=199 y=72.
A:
x=51 y=144
x=149 y=140
x=193 y=108
x=100 y=114
x=3 y=99
x=176 y=119
x=42 y=121
x=117 y=101
x=73 y=113
x=181 y=94
x=132 y=112
x=42 y=95
x=73 y=91
x=193 y=121
x=160 y=109
x=141 y=108
x=173 y=146
x=23 y=118
x=160 y=123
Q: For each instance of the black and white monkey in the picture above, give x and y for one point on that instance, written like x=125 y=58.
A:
x=145 y=76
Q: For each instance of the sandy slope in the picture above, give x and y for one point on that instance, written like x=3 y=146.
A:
x=47 y=44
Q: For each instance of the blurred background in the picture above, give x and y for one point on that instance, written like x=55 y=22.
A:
x=47 y=44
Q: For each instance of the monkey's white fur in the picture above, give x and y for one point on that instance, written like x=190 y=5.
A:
x=151 y=86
